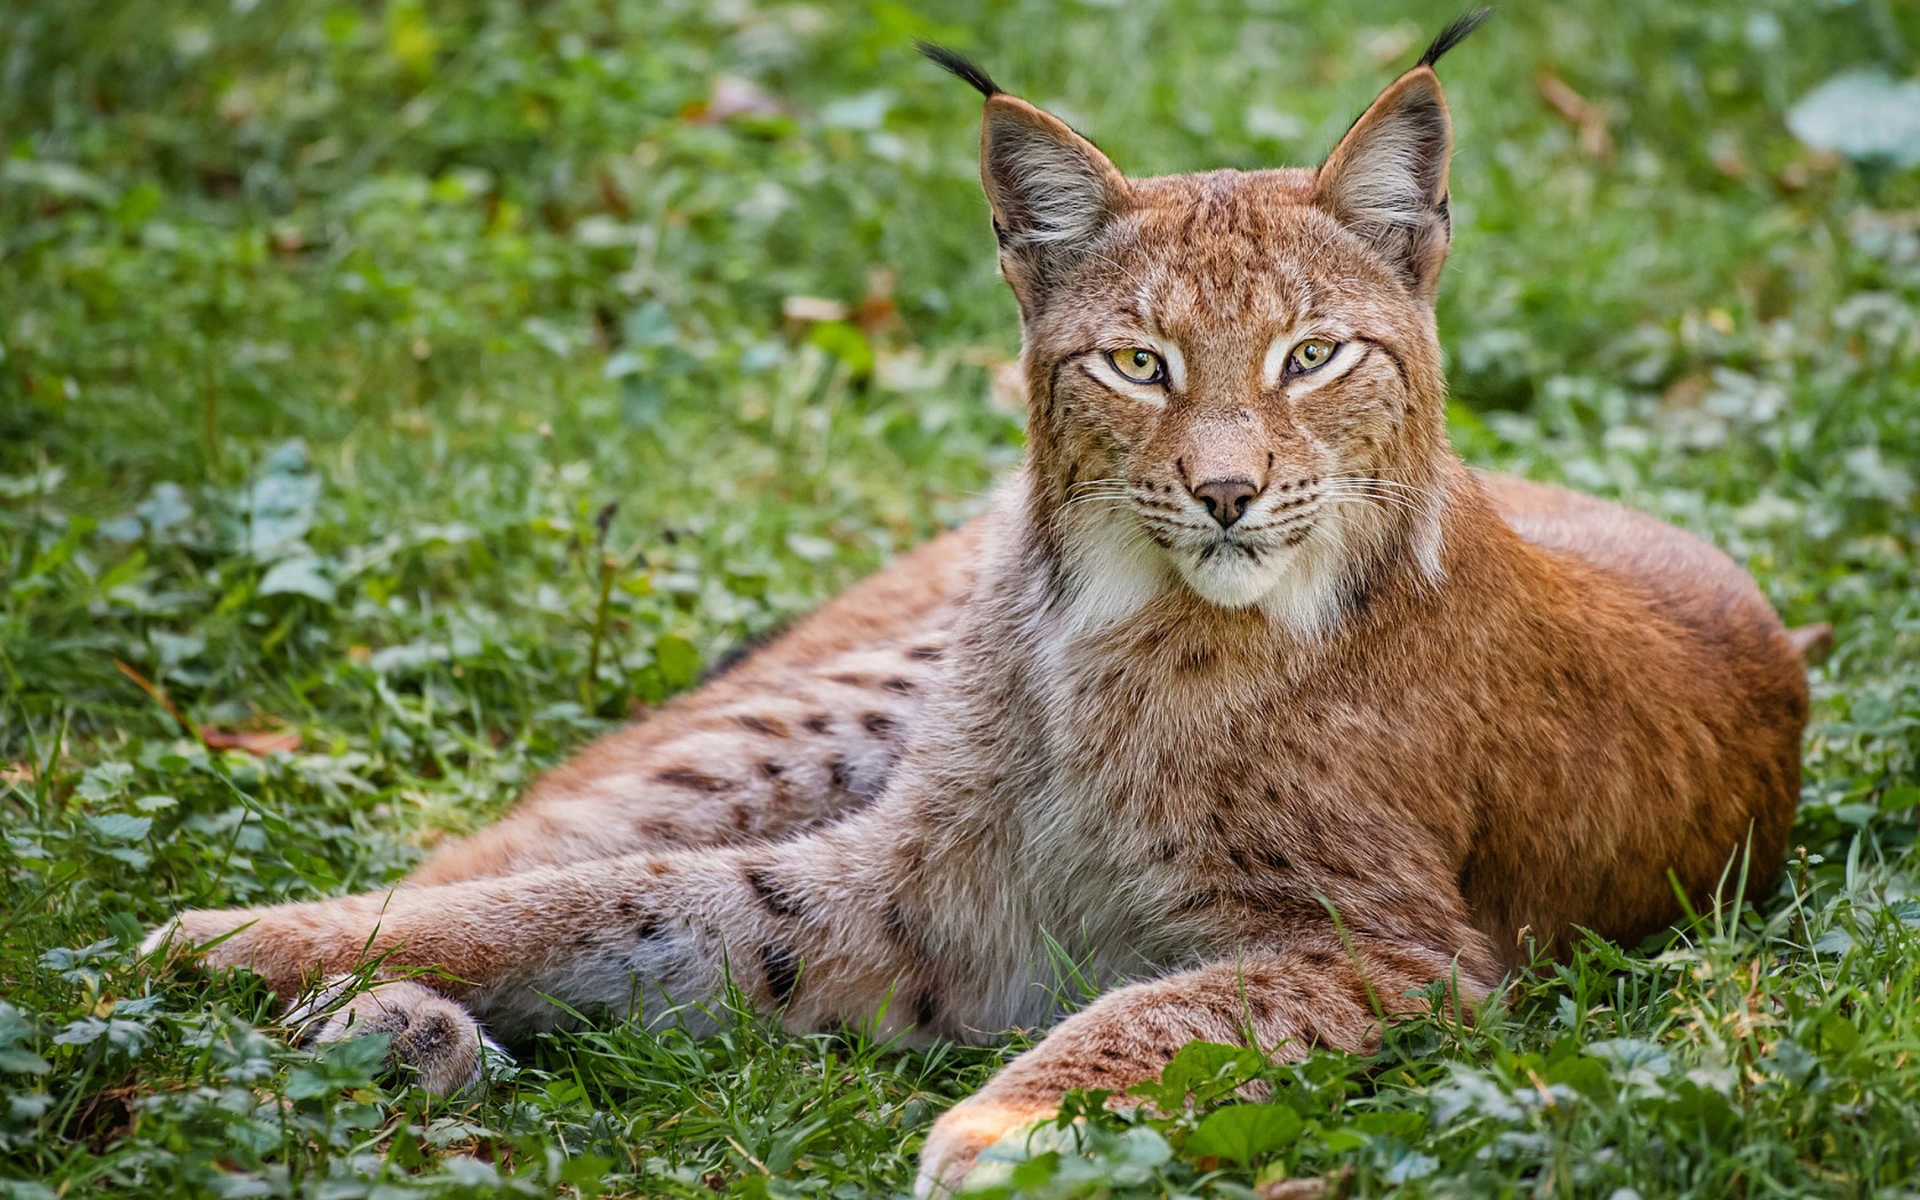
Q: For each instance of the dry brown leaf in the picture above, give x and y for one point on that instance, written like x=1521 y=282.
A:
x=1804 y=171
x=1687 y=391
x=876 y=312
x=1727 y=158
x=260 y=742
x=159 y=697
x=812 y=309
x=1584 y=115
x=734 y=97
x=612 y=198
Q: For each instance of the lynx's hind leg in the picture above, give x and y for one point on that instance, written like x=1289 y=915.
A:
x=431 y=1037
x=759 y=760
x=798 y=734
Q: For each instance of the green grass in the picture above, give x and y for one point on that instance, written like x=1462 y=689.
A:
x=329 y=332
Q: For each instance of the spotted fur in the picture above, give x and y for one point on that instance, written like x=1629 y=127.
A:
x=1388 y=728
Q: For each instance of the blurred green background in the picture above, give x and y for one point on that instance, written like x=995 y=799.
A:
x=392 y=395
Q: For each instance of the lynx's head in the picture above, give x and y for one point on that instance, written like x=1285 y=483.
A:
x=1233 y=377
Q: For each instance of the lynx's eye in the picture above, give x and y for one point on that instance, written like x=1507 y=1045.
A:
x=1310 y=355
x=1138 y=365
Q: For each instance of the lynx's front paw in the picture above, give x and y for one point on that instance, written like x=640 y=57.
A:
x=431 y=1036
x=434 y=1037
x=954 y=1145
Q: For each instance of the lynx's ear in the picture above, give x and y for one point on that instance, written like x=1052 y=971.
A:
x=1387 y=179
x=1050 y=189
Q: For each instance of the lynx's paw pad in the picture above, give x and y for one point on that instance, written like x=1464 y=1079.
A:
x=436 y=1039
x=959 y=1137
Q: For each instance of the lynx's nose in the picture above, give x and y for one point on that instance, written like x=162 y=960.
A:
x=1227 y=499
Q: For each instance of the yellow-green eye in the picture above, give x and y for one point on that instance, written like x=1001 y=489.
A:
x=1138 y=365
x=1310 y=355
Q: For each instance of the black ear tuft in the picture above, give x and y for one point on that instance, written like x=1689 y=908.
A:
x=959 y=65
x=1449 y=37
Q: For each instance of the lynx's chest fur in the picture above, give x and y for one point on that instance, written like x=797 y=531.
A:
x=1186 y=771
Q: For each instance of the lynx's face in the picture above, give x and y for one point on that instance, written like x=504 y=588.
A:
x=1233 y=377
x=1228 y=382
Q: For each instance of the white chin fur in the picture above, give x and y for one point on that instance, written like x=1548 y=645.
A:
x=1298 y=588
x=1116 y=571
x=1231 y=579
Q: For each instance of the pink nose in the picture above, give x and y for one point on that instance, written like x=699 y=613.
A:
x=1227 y=499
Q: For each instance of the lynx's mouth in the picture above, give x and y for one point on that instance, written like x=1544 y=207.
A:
x=1240 y=564
x=1234 y=569
x=1129 y=542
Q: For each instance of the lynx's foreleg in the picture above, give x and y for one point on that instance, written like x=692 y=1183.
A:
x=1319 y=991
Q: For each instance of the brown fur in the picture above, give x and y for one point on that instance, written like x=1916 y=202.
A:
x=1393 y=724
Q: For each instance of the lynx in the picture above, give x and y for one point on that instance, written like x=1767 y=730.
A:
x=1245 y=688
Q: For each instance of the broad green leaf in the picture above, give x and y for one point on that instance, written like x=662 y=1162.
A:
x=846 y=343
x=23 y=1062
x=298 y=577
x=120 y=827
x=104 y=781
x=58 y=179
x=1865 y=115
x=678 y=659
x=1244 y=1132
x=1204 y=1071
